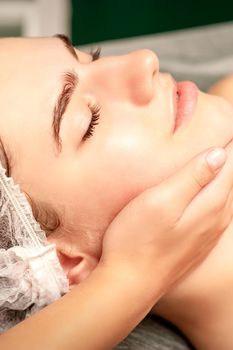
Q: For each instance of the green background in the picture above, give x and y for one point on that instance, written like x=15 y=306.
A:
x=99 y=20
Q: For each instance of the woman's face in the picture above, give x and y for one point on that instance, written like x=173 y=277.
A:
x=88 y=180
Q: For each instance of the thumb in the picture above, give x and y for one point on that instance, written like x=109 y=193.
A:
x=180 y=189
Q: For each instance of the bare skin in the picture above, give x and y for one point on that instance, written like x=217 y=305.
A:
x=201 y=305
x=133 y=147
x=102 y=304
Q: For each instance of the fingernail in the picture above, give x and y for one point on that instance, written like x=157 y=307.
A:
x=216 y=158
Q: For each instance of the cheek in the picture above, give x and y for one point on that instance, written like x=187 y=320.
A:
x=113 y=170
x=118 y=164
x=129 y=161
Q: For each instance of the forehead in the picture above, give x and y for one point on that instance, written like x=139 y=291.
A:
x=35 y=61
x=35 y=45
x=30 y=79
x=32 y=51
x=30 y=70
x=26 y=54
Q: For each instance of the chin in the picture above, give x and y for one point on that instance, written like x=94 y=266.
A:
x=219 y=102
x=217 y=119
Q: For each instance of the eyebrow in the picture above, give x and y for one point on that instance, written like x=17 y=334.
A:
x=70 y=81
x=67 y=43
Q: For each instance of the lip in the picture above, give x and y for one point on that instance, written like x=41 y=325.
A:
x=185 y=100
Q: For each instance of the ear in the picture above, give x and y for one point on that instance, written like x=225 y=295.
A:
x=76 y=264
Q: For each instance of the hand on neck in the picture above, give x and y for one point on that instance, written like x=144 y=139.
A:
x=200 y=305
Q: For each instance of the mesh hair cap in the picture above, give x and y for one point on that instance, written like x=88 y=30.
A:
x=31 y=276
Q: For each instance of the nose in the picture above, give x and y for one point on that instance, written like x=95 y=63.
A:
x=131 y=76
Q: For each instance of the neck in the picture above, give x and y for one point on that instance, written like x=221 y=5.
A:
x=201 y=304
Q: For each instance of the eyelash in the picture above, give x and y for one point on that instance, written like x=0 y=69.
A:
x=95 y=109
x=95 y=115
x=95 y=53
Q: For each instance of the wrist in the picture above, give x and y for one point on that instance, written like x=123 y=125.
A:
x=126 y=278
x=115 y=294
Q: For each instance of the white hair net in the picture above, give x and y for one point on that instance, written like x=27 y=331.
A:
x=31 y=276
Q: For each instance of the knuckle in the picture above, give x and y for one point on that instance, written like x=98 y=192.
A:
x=151 y=204
x=158 y=203
x=225 y=222
x=164 y=198
x=201 y=175
x=218 y=204
x=161 y=206
x=224 y=225
x=216 y=208
x=158 y=198
x=220 y=207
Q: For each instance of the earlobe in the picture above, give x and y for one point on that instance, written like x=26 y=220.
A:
x=77 y=268
x=82 y=270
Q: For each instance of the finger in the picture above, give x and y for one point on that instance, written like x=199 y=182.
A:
x=224 y=181
x=215 y=195
x=207 y=212
x=205 y=220
x=215 y=201
x=178 y=191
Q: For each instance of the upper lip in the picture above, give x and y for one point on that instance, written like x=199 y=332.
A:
x=175 y=97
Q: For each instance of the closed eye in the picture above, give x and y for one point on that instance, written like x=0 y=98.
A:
x=95 y=112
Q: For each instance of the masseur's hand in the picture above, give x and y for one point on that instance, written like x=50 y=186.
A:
x=170 y=228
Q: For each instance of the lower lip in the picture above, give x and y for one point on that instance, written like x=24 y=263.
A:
x=187 y=92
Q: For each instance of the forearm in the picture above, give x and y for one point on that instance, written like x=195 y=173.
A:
x=97 y=314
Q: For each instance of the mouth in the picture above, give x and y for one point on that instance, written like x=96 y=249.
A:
x=185 y=100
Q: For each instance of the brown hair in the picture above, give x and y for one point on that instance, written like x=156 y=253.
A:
x=45 y=215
